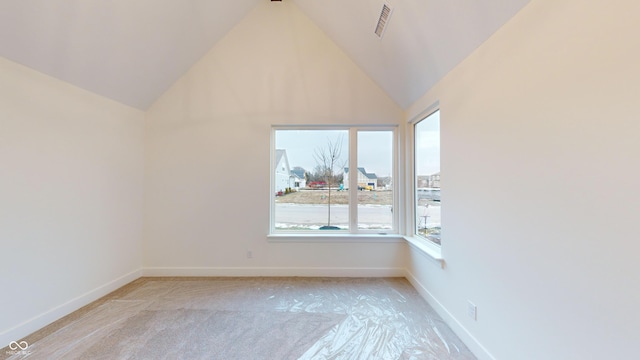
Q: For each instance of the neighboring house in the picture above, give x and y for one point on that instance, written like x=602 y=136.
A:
x=283 y=177
x=299 y=181
x=434 y=180
x=429 y=181
x=385 y=182
x=364 y=178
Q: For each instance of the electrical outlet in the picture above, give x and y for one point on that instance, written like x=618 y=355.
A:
x=472 y=310
x=249 y=254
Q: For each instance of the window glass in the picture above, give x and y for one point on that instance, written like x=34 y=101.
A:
x=427 y=181
x=312 y=189
x=375 y=180
x=309 y=191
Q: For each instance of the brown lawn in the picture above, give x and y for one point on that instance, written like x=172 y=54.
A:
x=378 y=197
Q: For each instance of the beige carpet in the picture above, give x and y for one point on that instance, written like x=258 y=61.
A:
x=252 y=318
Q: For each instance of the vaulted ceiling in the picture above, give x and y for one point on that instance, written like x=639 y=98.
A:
x=132 y=51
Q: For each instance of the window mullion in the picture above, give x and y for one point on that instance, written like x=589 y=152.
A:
x=353 y=180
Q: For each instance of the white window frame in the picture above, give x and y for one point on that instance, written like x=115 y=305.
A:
x=434 y=248
x=353 y=182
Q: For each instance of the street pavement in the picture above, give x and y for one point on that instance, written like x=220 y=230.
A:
x=369 y=216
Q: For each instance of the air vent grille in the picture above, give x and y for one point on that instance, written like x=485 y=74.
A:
x=385 y=14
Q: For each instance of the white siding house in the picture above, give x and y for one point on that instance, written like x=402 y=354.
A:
x=299 y=181
x=283 y=178
x=364 y=178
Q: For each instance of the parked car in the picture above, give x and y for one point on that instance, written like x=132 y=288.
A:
x=317 y=185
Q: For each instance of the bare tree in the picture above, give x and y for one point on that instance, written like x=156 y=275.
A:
x=329 y=159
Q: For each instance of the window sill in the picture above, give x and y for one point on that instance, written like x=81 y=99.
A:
x=426 y=247
x=334 y=238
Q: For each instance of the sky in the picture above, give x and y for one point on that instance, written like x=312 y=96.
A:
x=375 y=148
x=427 y=133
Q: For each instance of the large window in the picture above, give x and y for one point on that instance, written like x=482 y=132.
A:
x=427 y=177
x=333 y=180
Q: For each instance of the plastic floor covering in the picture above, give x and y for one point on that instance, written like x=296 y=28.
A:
x=254 y=318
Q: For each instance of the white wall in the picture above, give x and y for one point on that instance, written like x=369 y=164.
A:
x=540 y=170
x=71 y=176
x=207 y=150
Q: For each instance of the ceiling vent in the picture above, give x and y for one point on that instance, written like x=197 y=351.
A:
x=385 y=15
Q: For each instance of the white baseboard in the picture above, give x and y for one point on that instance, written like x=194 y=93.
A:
x=39 y=321
x=478 y=350
x=273 y=271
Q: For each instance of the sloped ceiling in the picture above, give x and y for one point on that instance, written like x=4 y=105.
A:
x=423 y=39
x=128 y=50
x=132 y=51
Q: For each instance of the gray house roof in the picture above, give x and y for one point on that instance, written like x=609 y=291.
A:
x=299 y=173
x=370 y=176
